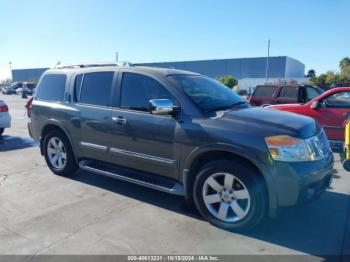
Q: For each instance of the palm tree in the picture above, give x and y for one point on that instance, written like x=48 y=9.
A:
x=311 y=73
x=344 y=62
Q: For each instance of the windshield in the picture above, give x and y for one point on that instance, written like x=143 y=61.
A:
x=14 y=85
x=207 y=93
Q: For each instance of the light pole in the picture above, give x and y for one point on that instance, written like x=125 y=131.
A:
x=267 y=62
x=116 y=57
x=10 y=64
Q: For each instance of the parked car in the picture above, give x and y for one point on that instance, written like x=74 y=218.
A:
x=330 y=109
x=181 y=133
x=27 y=88
x=11 y=89
x=265 y=95
x=5 y=118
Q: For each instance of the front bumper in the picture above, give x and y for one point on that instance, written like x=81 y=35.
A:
x=5 y=120
x=299 y=182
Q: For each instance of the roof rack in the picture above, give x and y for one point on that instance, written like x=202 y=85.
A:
x=85 y=65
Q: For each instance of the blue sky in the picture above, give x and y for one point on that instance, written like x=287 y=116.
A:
x=38 y=33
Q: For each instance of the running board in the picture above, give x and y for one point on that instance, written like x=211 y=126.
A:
x=137 y=177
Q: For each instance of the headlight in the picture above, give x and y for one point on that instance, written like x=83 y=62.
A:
x=290 y=149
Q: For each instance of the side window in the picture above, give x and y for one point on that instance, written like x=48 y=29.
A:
x=52 y=87
x=96 y=88
x=311 y=93
x=77 y=86
x=264 y=91
x=289 y=92
x=138 y=89
x=338 y=100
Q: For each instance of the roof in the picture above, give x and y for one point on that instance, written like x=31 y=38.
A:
x=147 y=69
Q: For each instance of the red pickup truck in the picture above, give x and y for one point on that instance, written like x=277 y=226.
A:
x=330 y=108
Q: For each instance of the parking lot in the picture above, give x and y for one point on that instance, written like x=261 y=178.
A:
x=41 y=213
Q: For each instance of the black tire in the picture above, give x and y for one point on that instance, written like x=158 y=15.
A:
x=346 y=164
x=70 y=164
x=257 y=193
x=2 y=131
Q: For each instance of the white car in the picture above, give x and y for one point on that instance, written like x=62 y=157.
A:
x=5 y=118
x=19 y=90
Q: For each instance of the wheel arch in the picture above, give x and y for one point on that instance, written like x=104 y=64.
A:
x=54 y=125
x=200 y=156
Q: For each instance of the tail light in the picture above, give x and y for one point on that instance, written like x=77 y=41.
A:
x=4 y=108
x=29 y=107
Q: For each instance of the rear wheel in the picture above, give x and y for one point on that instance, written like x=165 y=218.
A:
x=230 y=195
x=2 y=131
x=58 y=153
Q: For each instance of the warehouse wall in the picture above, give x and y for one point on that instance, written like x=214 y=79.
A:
x=241 y=67
x=23 y=75
x=280 y=67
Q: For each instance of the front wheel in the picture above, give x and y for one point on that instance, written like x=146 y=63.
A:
x=230 y=195
x=58 y=153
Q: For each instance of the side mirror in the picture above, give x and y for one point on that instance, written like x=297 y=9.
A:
x=315 y=105
x=161 y=106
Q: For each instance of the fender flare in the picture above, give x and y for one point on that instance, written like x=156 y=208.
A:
x=56 y=123
x=256 y=161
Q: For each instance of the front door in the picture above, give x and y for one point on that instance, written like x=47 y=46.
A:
x=141 y=140
x=332 y=114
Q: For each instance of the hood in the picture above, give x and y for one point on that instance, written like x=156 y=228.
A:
x=273 y=122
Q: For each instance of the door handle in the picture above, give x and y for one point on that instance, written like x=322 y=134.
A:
x=120 y=120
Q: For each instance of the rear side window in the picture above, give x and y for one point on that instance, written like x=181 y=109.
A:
x=290 y=92
x=52 y=87
x=96 y=88
x=138 y=89
x=264 y=91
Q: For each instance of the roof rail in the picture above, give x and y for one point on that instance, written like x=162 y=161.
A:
x=85 y=65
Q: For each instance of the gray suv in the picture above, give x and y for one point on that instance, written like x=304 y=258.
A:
x=182 y=133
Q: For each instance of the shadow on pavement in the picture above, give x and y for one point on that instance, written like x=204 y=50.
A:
x=317 y=228
x=8 y=143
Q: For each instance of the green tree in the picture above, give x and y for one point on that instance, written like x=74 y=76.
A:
x=5 y=82
x=345 y=62
x=228 y=81
x=331 y=78
x=320 y=80
x=311 y=73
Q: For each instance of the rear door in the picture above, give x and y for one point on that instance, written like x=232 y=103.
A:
x=93 y=93
x=288 y=95
x=263 y=95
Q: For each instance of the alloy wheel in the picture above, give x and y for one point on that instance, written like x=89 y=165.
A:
x=56 y=153
x=226 y=197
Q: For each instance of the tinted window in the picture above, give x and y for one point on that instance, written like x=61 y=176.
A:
x=338 y=100
x=207 y=93
x=96 y=88
x=77 y=85
x=312 y=93
x=290 y=92
x=31 y=86
x=138 y=89
x=264 y=91
x=52 y=87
